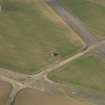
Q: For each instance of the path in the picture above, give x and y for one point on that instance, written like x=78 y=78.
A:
x=29 y=80
x=62 y=63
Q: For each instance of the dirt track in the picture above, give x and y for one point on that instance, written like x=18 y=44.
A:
x=28 y=81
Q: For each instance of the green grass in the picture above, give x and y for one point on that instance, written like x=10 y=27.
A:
x=91 y=13
x=87 y=71
x=27 y=38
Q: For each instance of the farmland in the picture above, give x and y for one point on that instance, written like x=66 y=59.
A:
x=5 y=90
x=92 y=14
x=51 y=52
x=31 y=96
x=28 y=38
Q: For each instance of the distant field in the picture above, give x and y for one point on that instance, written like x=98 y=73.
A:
x=91 y=13
x=5 y=91
x=29 y=40
x=102 y=2
x=34 y=97
x=88 y=71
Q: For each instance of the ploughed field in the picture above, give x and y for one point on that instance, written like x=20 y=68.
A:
x=87 y=71
x=90 y=12
x=5 y=91
x=29 y=40
x=28 y=96
x=34 y=97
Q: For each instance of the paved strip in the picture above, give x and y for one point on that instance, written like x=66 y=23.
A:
x=74 y=22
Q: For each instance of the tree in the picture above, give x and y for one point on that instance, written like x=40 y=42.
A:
x=0 y=8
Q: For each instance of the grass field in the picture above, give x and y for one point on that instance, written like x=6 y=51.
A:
x=91 y=13
x=87 y=71
x=27 y=38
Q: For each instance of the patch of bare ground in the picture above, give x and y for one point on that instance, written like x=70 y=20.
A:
x=5 y=90
x=101 y=2
x=34 y=97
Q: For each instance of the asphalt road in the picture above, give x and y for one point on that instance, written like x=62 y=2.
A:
x=74 y=22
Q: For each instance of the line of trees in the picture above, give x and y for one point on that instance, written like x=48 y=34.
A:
x=2 y=4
